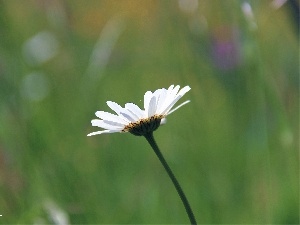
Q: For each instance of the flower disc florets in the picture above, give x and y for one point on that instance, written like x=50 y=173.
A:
x=143 y=126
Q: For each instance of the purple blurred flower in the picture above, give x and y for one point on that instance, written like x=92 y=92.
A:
x=226 y=48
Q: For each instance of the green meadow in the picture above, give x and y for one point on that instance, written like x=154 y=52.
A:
x=234 y=148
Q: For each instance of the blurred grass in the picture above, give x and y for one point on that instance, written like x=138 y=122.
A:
x=234 y=148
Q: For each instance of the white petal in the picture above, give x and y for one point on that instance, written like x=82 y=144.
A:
x=118 y=109
x=152 y=106
x=110 y=117
x=102 y=132
x=170 y=95
x=174 y=91
x=128 y=115
x=161 y=100
x=177 y=107
x=173 y=99
x=114 y=106
x=171 y=87
x=147 y=98
x=184 y=90
x=107 y=124
x=169 y=105
x=135 y=110
x=163 y=121
x=157 y=94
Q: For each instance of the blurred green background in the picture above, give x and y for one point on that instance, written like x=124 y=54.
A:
x=234 y=148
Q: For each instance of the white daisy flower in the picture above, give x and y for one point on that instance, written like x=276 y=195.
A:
x=131 y=118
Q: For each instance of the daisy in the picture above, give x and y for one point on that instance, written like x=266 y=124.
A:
x=131 y=118
x=142 y=122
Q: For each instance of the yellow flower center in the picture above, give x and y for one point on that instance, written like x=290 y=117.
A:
x=143 y=126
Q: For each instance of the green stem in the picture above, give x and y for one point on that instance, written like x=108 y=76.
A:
x=151 y=141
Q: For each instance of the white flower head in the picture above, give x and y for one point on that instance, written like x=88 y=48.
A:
x=157 y=105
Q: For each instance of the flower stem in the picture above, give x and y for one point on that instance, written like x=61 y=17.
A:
x=151 y=141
